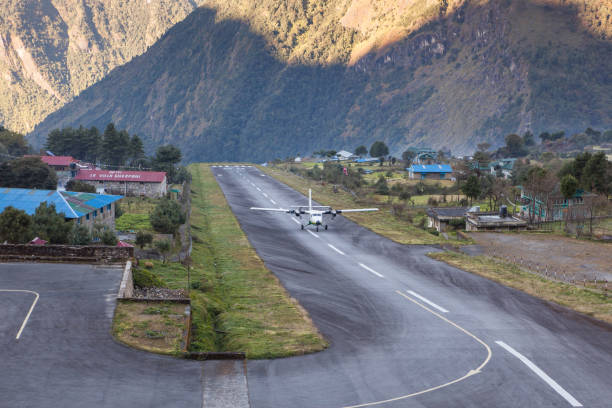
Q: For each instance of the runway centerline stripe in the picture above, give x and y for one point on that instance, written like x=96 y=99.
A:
x=265 y=195
x=258 y=189
x=25 y=321
x=552 y=383
x=336 y=249
x=469 y=374
x=272 y=201
x=367 y=268
x=312 y=233
x=296 y=221
x=429 y=302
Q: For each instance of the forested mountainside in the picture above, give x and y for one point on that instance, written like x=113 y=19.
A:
x=50 y=50
x=253 y=80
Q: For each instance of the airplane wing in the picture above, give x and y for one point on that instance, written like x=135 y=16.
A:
x=355 y=210
x=271 y=209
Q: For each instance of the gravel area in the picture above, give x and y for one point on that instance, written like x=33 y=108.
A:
x=575 y=258
x=159 y=293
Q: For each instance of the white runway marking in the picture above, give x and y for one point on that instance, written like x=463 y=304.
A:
x=25 y=321
x=336 y=249
x=367 y=268
x=312 y=233
x=296 y=221
x=258 y=189
x=429 y=302
x=272 y=201
x=265 y=195
x=553 y=384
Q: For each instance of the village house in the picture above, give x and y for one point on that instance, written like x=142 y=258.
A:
x=440 y=218
x=502 y=168
x=129 y=183
x=344 y=155
x=430 y=171
x=82 y=208
x=61 y=164
x=494 y=221
x=552 y=206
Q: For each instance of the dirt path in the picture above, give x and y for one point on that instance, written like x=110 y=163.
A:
x=576 y=258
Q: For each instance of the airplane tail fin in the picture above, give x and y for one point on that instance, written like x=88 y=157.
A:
x=310 y=199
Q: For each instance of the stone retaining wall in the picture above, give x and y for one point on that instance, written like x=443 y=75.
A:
x=65 y=253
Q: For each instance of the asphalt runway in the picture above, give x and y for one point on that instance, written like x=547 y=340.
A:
x=65 y=355
x=408 y=331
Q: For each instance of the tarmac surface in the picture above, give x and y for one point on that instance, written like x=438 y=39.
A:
x=406 y=330
x=65 y=355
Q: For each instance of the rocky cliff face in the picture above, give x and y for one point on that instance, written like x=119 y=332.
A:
x=248 y=80
x=50 y=50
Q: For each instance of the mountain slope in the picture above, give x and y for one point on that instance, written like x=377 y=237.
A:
x=458 y=73
x=50 y=50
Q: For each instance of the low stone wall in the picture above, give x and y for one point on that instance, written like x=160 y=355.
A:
x=65 y=253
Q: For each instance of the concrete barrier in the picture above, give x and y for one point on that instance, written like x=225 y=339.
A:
x=126 y=288
x=65 y=253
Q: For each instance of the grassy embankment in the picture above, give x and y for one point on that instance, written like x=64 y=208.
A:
x=382 y=222
x=590 y=302
x=238 y=305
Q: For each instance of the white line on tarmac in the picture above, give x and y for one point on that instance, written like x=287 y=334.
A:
x=265 y=195
x=258 y=189
x=272 y=201
x=553 y=384
x=296 y=221
x=312 y=233
x=429 y=302
x=367 y=268
x=25 y=321
x=336 y=249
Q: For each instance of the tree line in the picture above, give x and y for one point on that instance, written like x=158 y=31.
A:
x=17 y=227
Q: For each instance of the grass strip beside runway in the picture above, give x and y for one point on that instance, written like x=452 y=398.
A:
x=381 y=222
x=583 y=300
x=238 y=304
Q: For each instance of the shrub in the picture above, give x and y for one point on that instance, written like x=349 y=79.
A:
x=15 y=226
x=79 y=235
x=167 y=217
x=143 y=238
x=163 y=246
x=147 y=279
x=108 y=237
x=432 y=201
x=80 y=186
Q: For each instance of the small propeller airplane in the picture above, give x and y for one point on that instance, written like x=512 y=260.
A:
x=315 y=212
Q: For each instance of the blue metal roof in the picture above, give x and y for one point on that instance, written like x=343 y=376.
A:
x=431 y=168
x=70 y=204
x=366 y=160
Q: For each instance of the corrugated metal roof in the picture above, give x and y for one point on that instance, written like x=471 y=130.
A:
x=70 y=204
x=111 y=175
x=431 y=168
x=56 y=160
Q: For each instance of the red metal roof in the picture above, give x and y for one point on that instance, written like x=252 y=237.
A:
x=117 y=175
x=57 y=160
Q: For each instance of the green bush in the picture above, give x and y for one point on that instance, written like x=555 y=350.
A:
x=79 y=235
x=167 y=217
x=146 y=279
x=108 y=238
